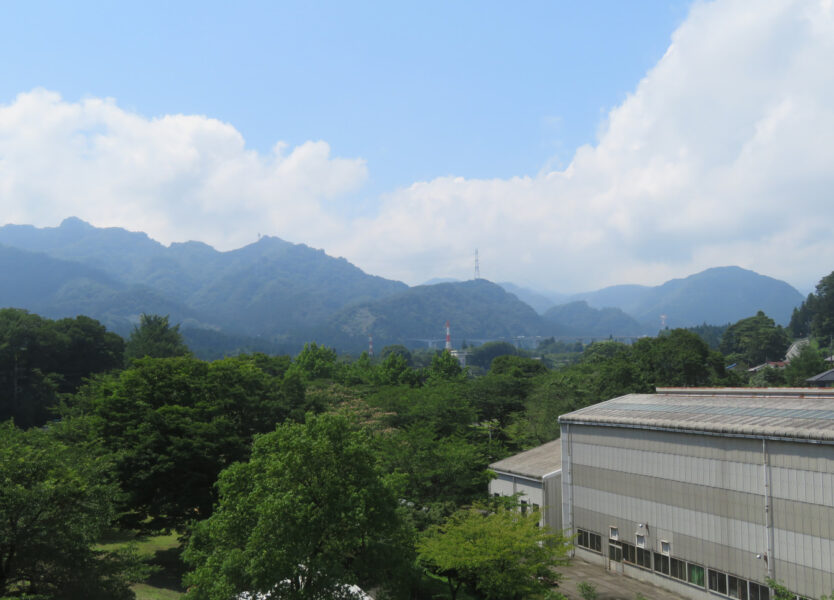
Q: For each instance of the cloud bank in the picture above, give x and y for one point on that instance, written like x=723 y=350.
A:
x=722 y=154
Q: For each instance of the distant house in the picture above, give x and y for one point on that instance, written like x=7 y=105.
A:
x=537 y=475
x=773 y=364
x=824 y=379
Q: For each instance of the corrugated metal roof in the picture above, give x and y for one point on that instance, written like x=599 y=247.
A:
x=800 y=413
x=536 y=463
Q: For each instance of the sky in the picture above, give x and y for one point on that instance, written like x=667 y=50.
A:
x=574 y=145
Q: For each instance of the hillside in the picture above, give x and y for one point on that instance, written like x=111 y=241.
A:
x=583 y=320
x=265 y=288
x=718 y=295
x=478 y=310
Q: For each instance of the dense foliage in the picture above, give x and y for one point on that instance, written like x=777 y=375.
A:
x=55 y=502
x=309 y=514
x=498 y=554
x=313 y=472
x=40 y=359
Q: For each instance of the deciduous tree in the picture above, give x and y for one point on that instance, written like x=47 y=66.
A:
x=500 y=555
x=307 y=514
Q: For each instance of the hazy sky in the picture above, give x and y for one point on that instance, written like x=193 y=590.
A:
x=576 y=145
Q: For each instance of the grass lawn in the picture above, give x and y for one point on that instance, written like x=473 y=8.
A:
x=162 y=551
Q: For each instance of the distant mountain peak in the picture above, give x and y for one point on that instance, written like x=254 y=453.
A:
x=75 y=223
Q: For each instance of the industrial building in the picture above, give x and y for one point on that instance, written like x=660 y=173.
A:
x=537 y=476
x=705 y=492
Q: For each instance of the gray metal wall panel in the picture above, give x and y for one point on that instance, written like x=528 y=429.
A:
x=807 y=457
x=668 y=442
x=737 y=476
x=721 y=502
x=553 y=502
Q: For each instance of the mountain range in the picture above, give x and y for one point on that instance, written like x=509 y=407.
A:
x=273 y=295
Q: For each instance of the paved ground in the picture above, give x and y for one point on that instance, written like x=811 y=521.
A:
x=610 y=586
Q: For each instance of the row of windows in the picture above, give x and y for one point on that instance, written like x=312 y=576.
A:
x=716 y=581
x=589 y=540
x=736 y=587
x=625 y=552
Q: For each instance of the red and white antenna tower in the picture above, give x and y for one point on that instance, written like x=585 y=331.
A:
x=371 y=346
x=448 y=337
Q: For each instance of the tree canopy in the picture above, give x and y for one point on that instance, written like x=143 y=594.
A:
x=41 y=358
x=55 y=501
x=754 y=340
x=308 y=514
x=500 y=554
x=155 y=337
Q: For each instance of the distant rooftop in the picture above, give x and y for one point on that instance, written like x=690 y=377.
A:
x=536 y=463
x=796 y=413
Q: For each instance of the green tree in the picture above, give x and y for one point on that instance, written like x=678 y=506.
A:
x=754 y=340
x=807 y=363
x=308 y=514
x=482 y=356
x=439 y=473
x=316 y=362
x=55 y=501
x=444 y=366
x=499 y=555
x=172 y=424
x=155 y=337
x=40 y=359
x=822 y=320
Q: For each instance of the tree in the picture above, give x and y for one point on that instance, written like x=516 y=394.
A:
x=807 y=363
x=754 y=340
x=308 y=514
x=40 y=359
x=156 y=338
x=482 y=356
x=172 y=424
x=55 y=501
x=501 y=554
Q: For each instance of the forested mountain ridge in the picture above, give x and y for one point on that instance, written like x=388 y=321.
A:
x=274 y=295
x=479 y=310
x=717 y=295
x=265 y=288
x=581 y=319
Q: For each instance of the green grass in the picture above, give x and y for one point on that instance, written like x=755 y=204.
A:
x=162 y=551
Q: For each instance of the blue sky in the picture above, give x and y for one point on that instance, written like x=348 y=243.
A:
x=419 y=90
x=575 y=145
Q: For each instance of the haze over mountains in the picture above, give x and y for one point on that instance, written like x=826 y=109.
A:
x=273 y=295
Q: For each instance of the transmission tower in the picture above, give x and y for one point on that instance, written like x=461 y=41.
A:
x=477 y=266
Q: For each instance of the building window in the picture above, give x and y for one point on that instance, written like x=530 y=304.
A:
x=589 y=540
x=717 y=581
x=615 y=552
x=736 y=587
x=759 y=592
x=629 y=553
x=641 y=540
x=644 y=558
x=661 y=563
x=696 y=575
x=677 y=569
x=665 y=547
x=524 y=507
x=614 y=533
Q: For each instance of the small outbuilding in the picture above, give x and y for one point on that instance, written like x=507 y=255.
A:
x=537 y=475
x=824 y=379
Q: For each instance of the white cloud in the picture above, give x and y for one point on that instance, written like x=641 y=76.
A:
x=177 y=177
x=721 y=155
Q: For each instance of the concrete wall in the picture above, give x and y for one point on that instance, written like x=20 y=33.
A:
x=707 y=496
